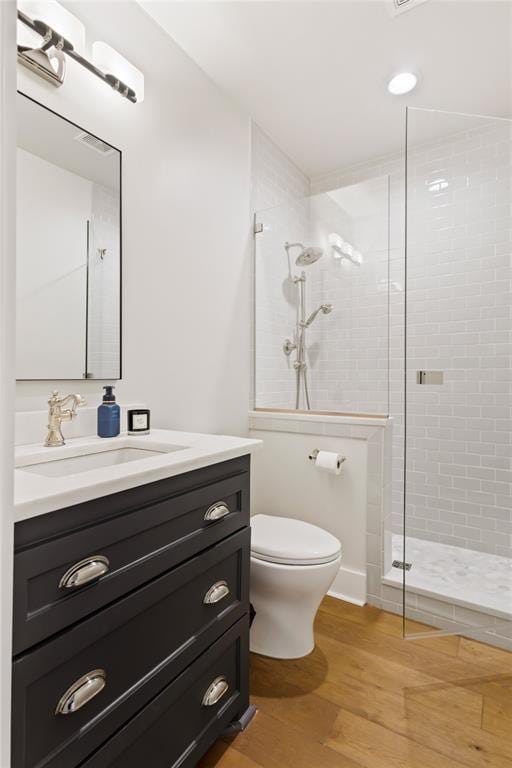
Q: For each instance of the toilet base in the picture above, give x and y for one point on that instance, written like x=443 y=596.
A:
x=286 y=599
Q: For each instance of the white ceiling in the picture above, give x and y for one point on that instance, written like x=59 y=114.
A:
x=48 y=135
x=313 y=74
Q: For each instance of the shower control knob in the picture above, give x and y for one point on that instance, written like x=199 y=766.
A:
x=288 y=347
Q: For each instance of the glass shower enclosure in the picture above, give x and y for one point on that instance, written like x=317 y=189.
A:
x=453 y=537
x=390 y=296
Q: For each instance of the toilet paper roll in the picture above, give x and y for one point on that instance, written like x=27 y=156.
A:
x=328 y=461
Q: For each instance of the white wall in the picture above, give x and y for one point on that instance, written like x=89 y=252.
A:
x=7 y=318
x=186 y=257
x=287 y=484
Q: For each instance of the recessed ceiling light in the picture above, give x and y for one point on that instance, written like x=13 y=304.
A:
x=402 y=83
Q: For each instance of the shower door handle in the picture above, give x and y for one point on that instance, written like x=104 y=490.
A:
x=429 y=377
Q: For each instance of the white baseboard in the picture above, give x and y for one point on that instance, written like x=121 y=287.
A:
x=349 y=585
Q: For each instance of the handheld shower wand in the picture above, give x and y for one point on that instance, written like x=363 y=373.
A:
x=324 y=308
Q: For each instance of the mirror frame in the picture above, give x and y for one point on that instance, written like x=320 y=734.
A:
x=81 y=128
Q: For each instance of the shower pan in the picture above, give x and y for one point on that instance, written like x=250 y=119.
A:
x=306 y=257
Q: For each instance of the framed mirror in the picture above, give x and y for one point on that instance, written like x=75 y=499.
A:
x=68 y=257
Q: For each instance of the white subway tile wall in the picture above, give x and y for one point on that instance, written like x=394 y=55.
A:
x=349 y=356
x=347 y=349
x=458 y=321
x=275 y=180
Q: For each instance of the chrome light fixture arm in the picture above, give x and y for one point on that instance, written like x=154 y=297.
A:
x=54 y=46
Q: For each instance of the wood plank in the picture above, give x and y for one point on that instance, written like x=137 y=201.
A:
x=266 y=742
x=378 y=703
x=381 y=621
x=407 y=653
x=303 y=709
x=374 y=746
x=497 y=705
x=221 y=755
x=405 y=713
x=366 y=698
x=474 y=651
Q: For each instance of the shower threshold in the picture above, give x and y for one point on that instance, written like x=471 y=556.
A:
x=464 y=577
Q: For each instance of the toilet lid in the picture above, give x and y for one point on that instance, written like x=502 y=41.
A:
x=291 y=542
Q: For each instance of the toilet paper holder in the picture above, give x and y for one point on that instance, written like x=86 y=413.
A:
x=314 y=453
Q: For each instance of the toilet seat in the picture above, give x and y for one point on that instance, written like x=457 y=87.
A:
x=286 y=541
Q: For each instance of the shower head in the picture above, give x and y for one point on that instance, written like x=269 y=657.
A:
x=306 y=256
x=325 y=309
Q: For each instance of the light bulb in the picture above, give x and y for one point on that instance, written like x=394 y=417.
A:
x=402 y=83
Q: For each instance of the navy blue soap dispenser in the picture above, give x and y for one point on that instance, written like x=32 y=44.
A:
x=109 y=414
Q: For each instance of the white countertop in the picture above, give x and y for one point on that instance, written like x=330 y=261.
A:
x=37 y=494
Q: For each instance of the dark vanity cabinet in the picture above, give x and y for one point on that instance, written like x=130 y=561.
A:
x=131 y=624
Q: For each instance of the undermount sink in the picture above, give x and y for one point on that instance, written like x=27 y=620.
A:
x=72 y=465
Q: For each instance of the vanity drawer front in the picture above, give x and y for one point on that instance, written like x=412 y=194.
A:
x=130 y=550
x=136 y=647
x=177 y=728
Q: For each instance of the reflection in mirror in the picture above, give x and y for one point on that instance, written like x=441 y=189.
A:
x=68 y=258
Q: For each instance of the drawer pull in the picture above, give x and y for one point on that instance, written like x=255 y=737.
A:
x=217 y=512
x=215 y=691
x=216 y=593
x=85 y=571
x=85 y=689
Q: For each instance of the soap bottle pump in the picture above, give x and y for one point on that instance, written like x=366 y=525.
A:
x=109 y=414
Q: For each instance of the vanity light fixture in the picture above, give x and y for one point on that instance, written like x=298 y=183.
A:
x=107 y=59
x=48 y=59
x=402 y=83
x=57 y=17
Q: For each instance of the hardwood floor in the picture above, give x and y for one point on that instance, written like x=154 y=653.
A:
x=366 y=698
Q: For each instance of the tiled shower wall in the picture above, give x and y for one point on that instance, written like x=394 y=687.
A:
x=275 y=180
x=459 y=321
x=347 y=349
x=349 y=358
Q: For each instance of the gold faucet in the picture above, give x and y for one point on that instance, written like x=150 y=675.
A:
x=57 y=413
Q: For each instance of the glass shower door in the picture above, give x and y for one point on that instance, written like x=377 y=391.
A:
x=454 y=552
x=322 y=302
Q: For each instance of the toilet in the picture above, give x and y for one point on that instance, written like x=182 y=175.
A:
x=293 y=564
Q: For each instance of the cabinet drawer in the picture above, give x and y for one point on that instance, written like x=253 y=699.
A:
x=118 y=555
x=138 y=645
x=178 y=726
